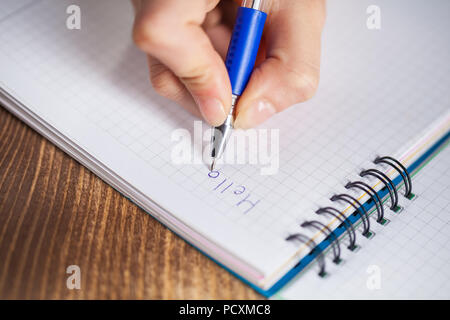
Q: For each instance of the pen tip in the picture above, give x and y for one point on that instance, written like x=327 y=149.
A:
x=212 y=165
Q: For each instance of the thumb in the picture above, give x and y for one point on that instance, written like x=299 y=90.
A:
x=170 y=31
x=290 y=74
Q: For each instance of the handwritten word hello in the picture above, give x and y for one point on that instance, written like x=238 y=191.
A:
x=226 y=186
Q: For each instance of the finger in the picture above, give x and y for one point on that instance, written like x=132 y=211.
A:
x=168 y=85
x=219 y=33
x=290 y=73
x=170 y=31
x=212 y=18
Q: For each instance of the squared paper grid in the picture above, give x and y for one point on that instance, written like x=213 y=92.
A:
x=365 y=112
x=412 y=251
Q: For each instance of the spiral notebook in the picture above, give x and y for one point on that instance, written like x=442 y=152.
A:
x=88 y=91
x=408 y=260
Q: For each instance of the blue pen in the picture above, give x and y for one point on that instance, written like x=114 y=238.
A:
x=240 y=62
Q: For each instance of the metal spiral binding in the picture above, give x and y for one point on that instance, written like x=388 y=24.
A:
x=359 y=210
x=373 y=194
x=335 y=244
x=348 y=226
x=400 y=168
x=312 y=244
x=387 y=183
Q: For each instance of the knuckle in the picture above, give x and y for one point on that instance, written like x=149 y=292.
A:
x=305 y=85
x=150 y=31
x=165 y=83
x=199 y=76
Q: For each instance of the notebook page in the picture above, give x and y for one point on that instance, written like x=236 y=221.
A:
x=92 y=83
x=13 y=7
x=409 y=259
x=90 y=101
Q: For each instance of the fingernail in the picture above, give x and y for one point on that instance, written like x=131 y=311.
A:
x=256 y=114
x=212 y=110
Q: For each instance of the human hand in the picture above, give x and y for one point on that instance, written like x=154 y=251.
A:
x=187 y=41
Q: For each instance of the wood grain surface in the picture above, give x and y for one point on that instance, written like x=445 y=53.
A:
x=55 y=213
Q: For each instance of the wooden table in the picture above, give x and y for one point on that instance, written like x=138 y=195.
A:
x=55 y=213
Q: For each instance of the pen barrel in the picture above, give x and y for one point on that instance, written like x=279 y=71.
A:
x=244 y=46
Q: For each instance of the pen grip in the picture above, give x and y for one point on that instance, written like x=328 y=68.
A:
x=244 y=47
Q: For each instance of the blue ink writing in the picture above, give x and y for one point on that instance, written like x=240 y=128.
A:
x=243 y=197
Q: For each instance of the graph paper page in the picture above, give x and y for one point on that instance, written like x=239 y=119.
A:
x=92 y=87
